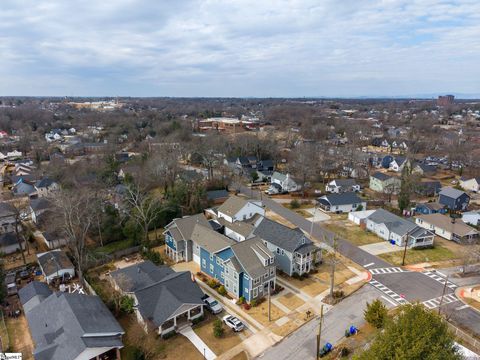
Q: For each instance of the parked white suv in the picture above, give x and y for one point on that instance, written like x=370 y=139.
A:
x=233 y=323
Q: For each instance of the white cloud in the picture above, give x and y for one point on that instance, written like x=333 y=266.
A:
x=239 y=48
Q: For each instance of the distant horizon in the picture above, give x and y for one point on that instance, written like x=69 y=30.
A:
x=241 y=48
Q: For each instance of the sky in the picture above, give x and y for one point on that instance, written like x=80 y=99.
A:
x=239 y=48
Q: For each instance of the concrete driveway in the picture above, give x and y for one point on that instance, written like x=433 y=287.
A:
x=198 y=343
x=380 y=248
x=317 y=215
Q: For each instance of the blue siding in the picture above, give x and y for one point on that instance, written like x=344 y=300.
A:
x=216 y=270
x=225 y=254
x=460 y=203
x=245 y=280
x=170 y=242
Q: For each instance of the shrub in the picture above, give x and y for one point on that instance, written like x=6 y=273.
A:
x=218 y=328
x=213 y=283
x=153 y=256
x=197 y=320
x=221 y=290
x=169 y=335
x=240 y=300
x=337 y=294
x=254 y=302
x=126 y=304
x=359 y=207
x=246 y=306
x=376 y=314
x=294 y=204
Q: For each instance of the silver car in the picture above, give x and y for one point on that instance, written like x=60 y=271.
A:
x=233 y=323
x=213 y=305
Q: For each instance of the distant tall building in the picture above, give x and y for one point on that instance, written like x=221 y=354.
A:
x=445 y=100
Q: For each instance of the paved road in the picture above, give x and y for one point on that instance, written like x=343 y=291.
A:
x=345 y=248
x=302 y=343
x=411 y=286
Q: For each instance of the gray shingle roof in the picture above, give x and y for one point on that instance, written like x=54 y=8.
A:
x=345 y=198
x=40 y=204
x=345 y=182
x=451 y=192
x=209 y=239
x=8 y=239
x=35 y=288
x=381 y=176
x=7 y=209
x=393 y=222
x=185 y=226
x=232 y=205
x=53 y=261
x=281 y=235
x=63 y=325
x=139 y=276
x=246 y=254
x=160 y=301
x=44 y=183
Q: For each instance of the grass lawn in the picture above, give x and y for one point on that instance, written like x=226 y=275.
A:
x=114 y=246
x=20 y=340
x=291 y=301
x=307 y=285
x=355 y=343
x=342 y=274
x=353 y=233
x=229 y=340
x=437 y=253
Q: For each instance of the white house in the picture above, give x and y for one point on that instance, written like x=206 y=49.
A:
x=343 y=202
x=9 y=243
x=471 y=217
x=286 y=182
x=359 y=217
x=472 y=184
x=46 y=187
x=397 y=230
x=238 y=209
x=448 y=228
x=398 y=163
x=55 y=264
x=342 y=185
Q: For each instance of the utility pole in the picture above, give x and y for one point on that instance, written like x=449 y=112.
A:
x=405 y=251
x=313 y=219
x=319 y=336
x=443 y=294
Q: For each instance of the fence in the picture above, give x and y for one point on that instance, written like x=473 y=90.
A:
x=470 y=340
x=4 y=338
x=91 y=263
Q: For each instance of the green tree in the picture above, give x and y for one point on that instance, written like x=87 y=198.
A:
x=218 y=328
x=126 y=304
x=376 y=313
x=254 y=176
x=414 y=334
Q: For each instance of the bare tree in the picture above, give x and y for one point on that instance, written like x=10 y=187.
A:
x=143 y=206
x=76 y=215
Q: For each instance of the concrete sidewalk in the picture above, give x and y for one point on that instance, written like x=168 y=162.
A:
x=198 y=343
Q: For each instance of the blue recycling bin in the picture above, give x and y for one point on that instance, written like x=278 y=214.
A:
x=353 y=330
x=392 y=242
x=328 y=347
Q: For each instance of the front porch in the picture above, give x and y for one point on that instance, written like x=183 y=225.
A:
x=177 y=256
x=181 y=320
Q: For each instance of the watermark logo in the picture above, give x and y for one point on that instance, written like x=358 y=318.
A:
x=10 y=356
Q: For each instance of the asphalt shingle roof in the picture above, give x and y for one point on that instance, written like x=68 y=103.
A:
x=139 y=276
x=6 y=210
x=381 y=176
x=345 y=198
x=281 y=235
x=63 y=325
x=393 y=222
x=182 y=228
x=246 y=254
x=53 y=261
x=232 y=205
x=209 y=239
x=451 y=192
x=35 y=288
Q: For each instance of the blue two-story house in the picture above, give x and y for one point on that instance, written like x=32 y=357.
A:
x=453 y=199
x=430 y=208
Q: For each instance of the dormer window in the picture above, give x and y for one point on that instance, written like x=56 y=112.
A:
x=265 y=262
x=271 y=260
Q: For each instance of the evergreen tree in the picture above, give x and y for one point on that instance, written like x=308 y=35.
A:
x=414 y=334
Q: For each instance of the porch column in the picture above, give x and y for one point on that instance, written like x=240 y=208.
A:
x=175 y=321
x=188 y=315
x=201 y=309
x=118 y=354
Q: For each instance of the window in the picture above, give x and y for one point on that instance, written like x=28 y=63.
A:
x=235 y=275
x=283 y=252
x=266 y=275
x=235 y=289
x=278 y=250
x=219 y=261
x=256 y=281
x=271 y=260
x=222 y=275
x=272 y=271
x=204 y=263
x=246 y=277
x=211 y=257
x=227 y=270
x=211 y=268
x=246 y=290
x=255 y=292
x=265 y=262
x=244 y=217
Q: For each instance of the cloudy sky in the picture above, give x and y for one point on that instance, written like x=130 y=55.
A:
x=239 y=48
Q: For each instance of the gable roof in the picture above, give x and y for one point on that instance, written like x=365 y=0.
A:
x=53 y=261
x=344 y=182
x=139 y=276
x=247 y=253
x=426 y=168
x=381 y=176
x=445 y=222
x=393 y=222
x=432 y=206
x=345 y=198
x=243 y=228
x=39 y=204
x=232 y=205
x=160 y=301
x=209 y=239
x=35 y=288
x=281 y=235
x=7 y=239
x=44 y=183
x=182 y=228
x=451 y=192
x=64 y=325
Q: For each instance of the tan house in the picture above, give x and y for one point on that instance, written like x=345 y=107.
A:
x=448 y=228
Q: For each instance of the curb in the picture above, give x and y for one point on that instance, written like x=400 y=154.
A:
x=458 y=293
